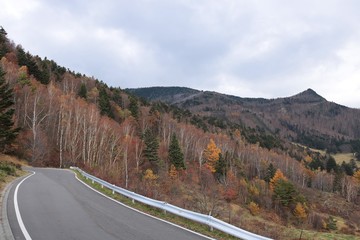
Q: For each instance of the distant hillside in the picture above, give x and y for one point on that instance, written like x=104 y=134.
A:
x=307 y=117
x=165 y=94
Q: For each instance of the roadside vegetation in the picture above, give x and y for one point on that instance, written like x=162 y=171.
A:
x=10 y=168
x=249 y=218
x=188 y=224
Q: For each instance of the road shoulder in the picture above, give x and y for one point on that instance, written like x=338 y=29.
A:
x=5 y=229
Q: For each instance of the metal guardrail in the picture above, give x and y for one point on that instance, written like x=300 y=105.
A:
x=198 y=217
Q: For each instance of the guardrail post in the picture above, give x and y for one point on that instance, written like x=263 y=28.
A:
x=132 y=199
x=164 y=207
x=113 y=191
x=102 y=186
x=209 y=222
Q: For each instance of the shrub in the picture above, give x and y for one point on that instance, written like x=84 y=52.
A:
x=300 y=212
x=2 y=175
x=254 y=208
x=7 y=168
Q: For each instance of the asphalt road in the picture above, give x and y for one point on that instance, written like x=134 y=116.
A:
x=53 y=204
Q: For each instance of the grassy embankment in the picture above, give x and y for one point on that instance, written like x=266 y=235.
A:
x=10 y=168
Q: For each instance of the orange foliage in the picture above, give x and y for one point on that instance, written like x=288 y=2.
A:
x=278 y=175
x=357 y=176
x=149 y=175
x=254 y=208
x=211 y=155
x=230 y=194
x=173 y=173
x=300 y=212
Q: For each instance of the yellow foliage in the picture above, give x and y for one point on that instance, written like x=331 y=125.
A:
x=300 y=212
x=242 y=182
x=254 y=208
x=357 y=176
x=308 y=159
x=149 y=175
x=278 y=175
x=254 y=190
x=173 y=173
x=211 y=155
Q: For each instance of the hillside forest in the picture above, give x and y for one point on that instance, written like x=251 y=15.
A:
x=60 y=118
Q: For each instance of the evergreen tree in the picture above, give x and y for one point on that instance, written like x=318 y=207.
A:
x=176 y=157
x=285 y=192
x=7 y=132
x=26 y=59
x=134 y=107
x=117 y=97
x=331 y=164
x=150 y=151
x=82 y=91
x=220 y=168
x=3 y=42
x=270 y=173
x=104 y=103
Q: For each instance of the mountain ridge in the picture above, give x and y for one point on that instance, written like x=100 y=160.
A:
x=305 y=117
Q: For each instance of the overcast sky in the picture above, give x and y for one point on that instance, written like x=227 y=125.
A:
x=247 y=48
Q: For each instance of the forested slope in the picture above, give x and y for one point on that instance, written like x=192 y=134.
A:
x=168 y=153
x=305 y=118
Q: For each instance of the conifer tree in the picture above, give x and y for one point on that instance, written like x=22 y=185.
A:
x=3 y=42
x=151 y=147
x=7 y=131
x=270 y=172
x=277 y=176
x=176 y=157
x=82 y=91
x=211 y=155
x=134 y=107
x=104 y=103
x=220 y=168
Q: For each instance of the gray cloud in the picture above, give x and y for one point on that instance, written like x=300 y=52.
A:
x=247 y=48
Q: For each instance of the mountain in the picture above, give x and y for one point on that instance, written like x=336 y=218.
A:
x=306 y=117
x=203 y=151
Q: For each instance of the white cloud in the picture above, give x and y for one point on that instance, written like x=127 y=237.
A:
x=269 y=48
x=18 y=10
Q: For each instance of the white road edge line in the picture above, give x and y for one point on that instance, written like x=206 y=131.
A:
x=136 y=210
x=17 y=211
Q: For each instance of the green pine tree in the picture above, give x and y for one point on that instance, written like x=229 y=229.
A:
x=270 y=172
x=220 y=168
x=3 y=42
x=104 y=103
x=134 y=107
x=82 y=91
x=7 y=131
x=150 y=151
x=285 y=192
x=176 y=157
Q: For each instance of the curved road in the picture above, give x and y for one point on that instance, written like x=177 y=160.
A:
x=53 y=204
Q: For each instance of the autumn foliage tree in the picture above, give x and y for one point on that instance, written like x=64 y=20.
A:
x=300 y=212
x=211 y=155
x=277 y=176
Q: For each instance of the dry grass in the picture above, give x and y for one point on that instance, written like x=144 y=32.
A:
x=12 y=159
x=344 y=157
